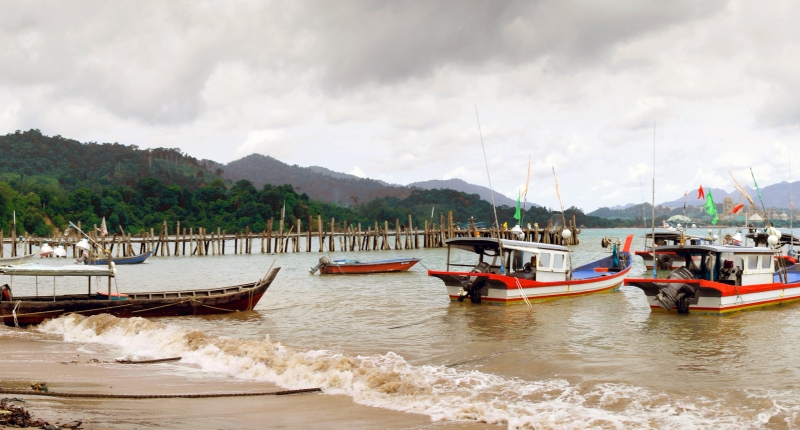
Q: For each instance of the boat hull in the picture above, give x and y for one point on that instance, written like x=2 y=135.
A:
x=713 y=298
x=386 y=266
x=23 y=311
x=503 y=290
x=10 y=261
x=135 y=259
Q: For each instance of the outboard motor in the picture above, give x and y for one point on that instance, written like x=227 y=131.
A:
x=676 y=295
x=5 y=294
x=323 y=261
x=664 y=262
x=474 y=285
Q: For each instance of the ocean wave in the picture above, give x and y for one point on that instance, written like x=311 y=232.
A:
x=443 y=393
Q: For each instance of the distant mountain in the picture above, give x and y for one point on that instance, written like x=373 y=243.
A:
x=618 y=207
x=465 y=187
x=631 y=212
x=317 y=182
x=775 y=195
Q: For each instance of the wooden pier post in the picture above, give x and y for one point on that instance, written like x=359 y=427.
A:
x=331 y=243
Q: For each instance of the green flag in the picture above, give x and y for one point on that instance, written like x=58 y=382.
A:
x=517 y=215
x=710 y=207
x=756 y=184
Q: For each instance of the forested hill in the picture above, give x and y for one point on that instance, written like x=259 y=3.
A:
x=31 y=158
x=350 y=191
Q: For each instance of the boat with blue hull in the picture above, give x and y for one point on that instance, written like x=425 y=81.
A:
x=135 y=259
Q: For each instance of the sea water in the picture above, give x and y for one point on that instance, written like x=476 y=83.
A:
x=395 y=341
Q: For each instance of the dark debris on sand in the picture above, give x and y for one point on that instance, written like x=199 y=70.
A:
x=14 y=416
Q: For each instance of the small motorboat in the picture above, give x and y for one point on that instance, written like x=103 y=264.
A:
x=9 y=261
x=134 y=259
x=514 y=272
x=352 y=267
x=719 y=279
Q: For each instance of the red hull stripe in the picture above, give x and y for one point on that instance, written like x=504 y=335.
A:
x=725 y=289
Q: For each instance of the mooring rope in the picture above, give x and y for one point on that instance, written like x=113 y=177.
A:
x=159 y=396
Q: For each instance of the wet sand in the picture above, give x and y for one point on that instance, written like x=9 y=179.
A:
x=69 y=367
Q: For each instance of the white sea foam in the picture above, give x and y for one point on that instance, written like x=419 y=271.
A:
x=443 y=393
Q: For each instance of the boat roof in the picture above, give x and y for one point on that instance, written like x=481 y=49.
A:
x=715 y=248
x=673 y=235
x=472 y=244
x=664 y=234
x=41 y=270
x=784 y=240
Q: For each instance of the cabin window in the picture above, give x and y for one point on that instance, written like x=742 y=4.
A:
x=517 y=261
x=558 y=261
x=766 y=261
x=544 y=259
x=752 y=262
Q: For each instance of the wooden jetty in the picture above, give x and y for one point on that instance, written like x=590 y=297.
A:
x=316 y=236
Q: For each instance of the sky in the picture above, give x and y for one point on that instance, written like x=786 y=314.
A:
x=396 y=90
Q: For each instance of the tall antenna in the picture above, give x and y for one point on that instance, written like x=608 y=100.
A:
x=791 y=209
x=653 y=221
x=486 y=161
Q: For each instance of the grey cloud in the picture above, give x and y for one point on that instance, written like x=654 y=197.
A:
x=391 y=41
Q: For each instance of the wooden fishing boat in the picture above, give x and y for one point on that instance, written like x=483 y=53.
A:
x=667 y=260
x=352 y=267
x=520 y=272
x=22 y=311
x=727 y=279
x=134 y=259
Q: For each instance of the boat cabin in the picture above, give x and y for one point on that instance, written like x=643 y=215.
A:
x=727 y=264
x=669 y=238
x=533 y=261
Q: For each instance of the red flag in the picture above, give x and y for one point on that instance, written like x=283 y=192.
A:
x=736 y=208
x=701 y=194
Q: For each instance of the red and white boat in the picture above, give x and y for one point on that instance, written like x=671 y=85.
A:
x=512 y=271
x=727 y=279
x=351 y=267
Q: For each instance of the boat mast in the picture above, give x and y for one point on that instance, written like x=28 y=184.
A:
x=791 y=210
x=653 y=221
x=491 y=192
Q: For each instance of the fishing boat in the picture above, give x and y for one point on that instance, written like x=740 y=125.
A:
x=28 y=310
x=351 y=267
x=727 y=279
x=134 y=259
x=513 y=271
x=667 y=260
x=8 y=261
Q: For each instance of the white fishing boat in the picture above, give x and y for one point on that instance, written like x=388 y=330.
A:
x=513 y=271
x=719 y=279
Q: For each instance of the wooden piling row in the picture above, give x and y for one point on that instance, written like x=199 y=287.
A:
x=345 y=237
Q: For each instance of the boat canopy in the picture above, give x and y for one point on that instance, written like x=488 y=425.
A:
x=714 y=248
x=41 y=270
x=480 y=244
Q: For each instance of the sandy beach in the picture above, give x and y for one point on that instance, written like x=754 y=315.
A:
x=76 y=368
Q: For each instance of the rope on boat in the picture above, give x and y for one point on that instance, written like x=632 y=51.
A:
x=521 y=291
x=160 y=396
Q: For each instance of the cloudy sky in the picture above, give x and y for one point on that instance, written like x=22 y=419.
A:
x=389 y=90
